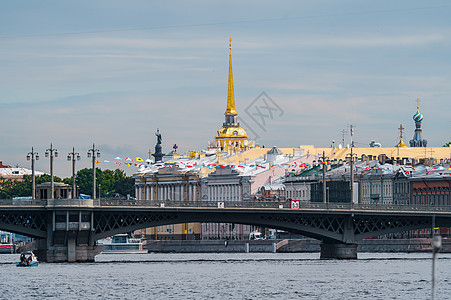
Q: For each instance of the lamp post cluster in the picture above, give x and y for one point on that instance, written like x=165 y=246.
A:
x=72 y=156
x=324 y=162
x=94 y=153
x=53 y=153
x=33 y=156
x=351 y=156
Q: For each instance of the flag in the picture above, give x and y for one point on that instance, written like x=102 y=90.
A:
x=97 y=162
x=128 y=159
x=106 y=161
x=117 y=163
x=138 y=165
x=128 y=164
x=139 y=159
x=118 y=158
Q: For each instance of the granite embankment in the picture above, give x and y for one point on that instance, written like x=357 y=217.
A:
x=288 y=246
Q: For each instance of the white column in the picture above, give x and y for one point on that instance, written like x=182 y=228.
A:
x=137 y=191
x=239 y=193
x=182 y=192
x=195 y=192
x=190 y=196
x=152 y=189
x=176 y=192
x=148 y=192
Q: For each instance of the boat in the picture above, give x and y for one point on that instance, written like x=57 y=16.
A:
x=256 y=235
x=27 y=259
x=122 y=244
x=6 y=243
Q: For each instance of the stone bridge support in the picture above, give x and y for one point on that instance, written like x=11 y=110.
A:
x=347 y=248
x=69 y=237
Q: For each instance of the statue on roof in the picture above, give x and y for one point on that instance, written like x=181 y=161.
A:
x=158 y=136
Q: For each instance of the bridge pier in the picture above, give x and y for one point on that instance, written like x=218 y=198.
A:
x=338 y=251
x=69 y=237
x=66 y=253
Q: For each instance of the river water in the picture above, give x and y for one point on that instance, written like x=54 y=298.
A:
x=229 y=276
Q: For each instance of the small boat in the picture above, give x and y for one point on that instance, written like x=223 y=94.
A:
x=122 y=244
x=27 y=259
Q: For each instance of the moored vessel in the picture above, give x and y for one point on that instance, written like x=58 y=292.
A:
x=122 y=244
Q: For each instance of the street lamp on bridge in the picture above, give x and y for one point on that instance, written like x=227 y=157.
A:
x=33 y=156
x=73 y=156
x=324 y=161
x=351 y=156
x=94 y=153
x=52 y=152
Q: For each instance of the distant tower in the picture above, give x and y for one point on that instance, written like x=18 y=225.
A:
x=417 y=140
x=231 y=133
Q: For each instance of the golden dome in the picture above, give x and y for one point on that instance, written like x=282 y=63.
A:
x=401 y=144
x=232 y=133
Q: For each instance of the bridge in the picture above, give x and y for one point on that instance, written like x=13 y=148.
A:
x=66 y=229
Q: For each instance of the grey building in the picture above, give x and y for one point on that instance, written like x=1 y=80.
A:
x=376 y=188
x=226 y=184
x=401 y=188
x=298 y=187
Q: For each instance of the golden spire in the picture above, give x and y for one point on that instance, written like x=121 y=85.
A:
x=230 y=97
x=418 y=104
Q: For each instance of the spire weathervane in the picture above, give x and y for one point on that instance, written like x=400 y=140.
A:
x=418 y=104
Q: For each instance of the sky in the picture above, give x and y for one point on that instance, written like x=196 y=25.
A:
x=74 y=73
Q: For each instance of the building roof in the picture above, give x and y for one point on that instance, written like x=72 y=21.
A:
x=17 y=172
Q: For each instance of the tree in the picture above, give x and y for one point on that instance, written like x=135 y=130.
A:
x=447 y=144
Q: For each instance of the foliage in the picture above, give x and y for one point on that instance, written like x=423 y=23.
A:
x=110 y=182
x=447 y=144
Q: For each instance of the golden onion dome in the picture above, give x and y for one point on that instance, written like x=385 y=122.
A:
x=231 y=132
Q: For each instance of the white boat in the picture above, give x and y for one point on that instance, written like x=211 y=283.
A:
x=6 y=243
x=122 y=244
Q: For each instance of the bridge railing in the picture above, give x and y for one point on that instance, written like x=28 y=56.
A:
x=21 y=202
x=273 y=205
x=277 y=205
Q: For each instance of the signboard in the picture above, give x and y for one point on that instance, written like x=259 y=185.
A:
x=295 y=204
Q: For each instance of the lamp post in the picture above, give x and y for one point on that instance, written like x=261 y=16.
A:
x=73 y=156
x=33 y=156
x=324 y=162
x=52 y=152
x=94 y=153
x=351 y=159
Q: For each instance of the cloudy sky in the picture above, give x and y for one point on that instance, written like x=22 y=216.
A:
x=73 y=73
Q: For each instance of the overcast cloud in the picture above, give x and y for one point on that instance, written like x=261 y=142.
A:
x=110 y=73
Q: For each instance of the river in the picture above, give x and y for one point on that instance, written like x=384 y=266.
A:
x=229 y=276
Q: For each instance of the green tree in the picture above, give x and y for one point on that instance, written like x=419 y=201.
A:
x=110 y=182
x=447 y=144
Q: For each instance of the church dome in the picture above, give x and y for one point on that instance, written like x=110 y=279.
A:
x=231 y=132
x=418 y=117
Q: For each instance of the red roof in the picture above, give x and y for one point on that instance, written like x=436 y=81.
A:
x=4 y=166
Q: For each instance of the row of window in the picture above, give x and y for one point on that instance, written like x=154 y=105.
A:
x=298 y=193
